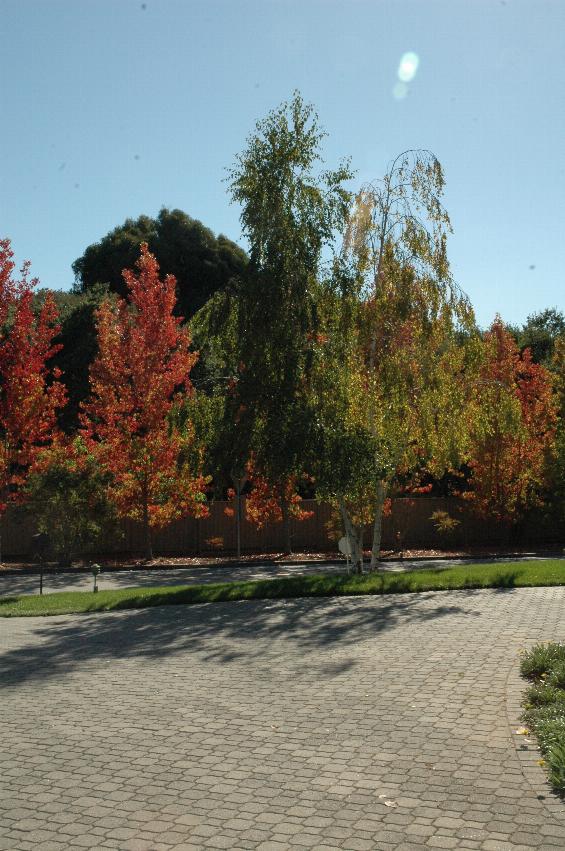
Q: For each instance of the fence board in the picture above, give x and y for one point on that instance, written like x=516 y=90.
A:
x=217 y=533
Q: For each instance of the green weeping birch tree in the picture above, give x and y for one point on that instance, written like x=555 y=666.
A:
x=291 y=208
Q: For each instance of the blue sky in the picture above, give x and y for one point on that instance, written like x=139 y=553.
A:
x=113 y=108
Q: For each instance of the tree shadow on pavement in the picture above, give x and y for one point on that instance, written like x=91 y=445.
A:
x=53 y=582
x=217 y=633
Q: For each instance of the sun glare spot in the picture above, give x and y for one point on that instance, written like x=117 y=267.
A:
x=408 y=66
x=400 y=91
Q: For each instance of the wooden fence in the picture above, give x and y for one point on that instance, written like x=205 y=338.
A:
x=412 y=518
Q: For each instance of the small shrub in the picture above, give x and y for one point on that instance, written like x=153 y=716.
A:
x=545 y=706
x=544 y=695
x=444 y=524
x=556 y=766
x=541 y=660
x=67 y=497
x=549 y=727
x=557 y=676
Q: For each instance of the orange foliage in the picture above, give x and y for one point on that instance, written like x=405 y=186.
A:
x=263 y=504
x=509 y=460
x=141 y=369
x=29 y=398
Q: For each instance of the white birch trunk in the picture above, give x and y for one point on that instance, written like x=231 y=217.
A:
x=353 y=537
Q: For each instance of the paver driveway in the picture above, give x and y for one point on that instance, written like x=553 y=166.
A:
x=361 y=723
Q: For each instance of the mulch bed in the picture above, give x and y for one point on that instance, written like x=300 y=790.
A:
x=170 y=562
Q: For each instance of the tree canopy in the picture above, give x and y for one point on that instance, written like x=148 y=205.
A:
x=290 y=209
x=406 y=313
x=30 y=394
x=358 y=370
x=201 y=262
x=140 y=372
x=539 y=334
x=512 y=431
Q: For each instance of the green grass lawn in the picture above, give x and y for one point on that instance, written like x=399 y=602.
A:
x=521 y=574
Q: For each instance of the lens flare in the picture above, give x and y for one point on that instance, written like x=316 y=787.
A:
x=408 y=66
x=400 y=91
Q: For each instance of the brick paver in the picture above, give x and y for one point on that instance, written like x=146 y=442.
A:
x=362 y=723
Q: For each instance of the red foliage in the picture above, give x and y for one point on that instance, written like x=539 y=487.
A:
x=387 y=507
x=29 y=398
x=263 y=504
x=142 y=367
x=509 y=459
x=228 y=510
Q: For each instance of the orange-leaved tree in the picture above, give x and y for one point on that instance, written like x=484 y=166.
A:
x=141 y=371
x=29 y=395
x=267 y=502
x=513 y=431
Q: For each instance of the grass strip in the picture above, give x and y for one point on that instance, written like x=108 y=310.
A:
x=470 y=576
x=544 y=706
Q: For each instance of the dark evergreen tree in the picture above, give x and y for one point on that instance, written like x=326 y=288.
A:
x=201 y=262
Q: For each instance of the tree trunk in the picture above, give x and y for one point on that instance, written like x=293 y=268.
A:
x=238 y=519
x=286 y=524
x=148 y=545
x=378 y=525
x=4 y=499
x=147 y=539
x=353 y=537
x=239 y=482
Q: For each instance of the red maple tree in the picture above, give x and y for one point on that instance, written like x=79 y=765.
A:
x=141 y=371
x=264 y=503
x=29 y=397
x=270 y=503
x=513 y=432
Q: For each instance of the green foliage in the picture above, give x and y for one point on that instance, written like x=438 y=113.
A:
x=557 y=675
x=65 y=301
x=445 y=524
x=215 y=334
x=411 y=328
x=349 y=458
x=539 y=334
x=184 y=247
x=291 y=209
x=555 y=757
x=541 y=659
x=288 y=211
x=198 y=418
x=545 y=706
x=79 y=346
x=402 y=215
x=542 y=694
x=67 y=497
x=554 y=512
x=547 y=722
